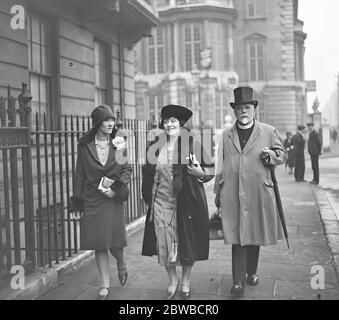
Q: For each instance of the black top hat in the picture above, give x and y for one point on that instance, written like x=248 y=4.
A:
x=243 y=95
x=179 y=112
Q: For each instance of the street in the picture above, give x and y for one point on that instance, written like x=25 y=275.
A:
x=284 y=274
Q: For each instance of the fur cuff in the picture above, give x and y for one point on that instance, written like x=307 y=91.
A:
x=121 y=190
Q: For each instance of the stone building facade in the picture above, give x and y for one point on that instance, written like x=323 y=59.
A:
x=204 y=48
x=74 y=54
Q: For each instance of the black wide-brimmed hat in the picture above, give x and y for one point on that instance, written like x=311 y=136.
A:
x=243 y=95
x=179 y=112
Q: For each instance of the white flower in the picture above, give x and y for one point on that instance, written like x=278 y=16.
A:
x=119 y=143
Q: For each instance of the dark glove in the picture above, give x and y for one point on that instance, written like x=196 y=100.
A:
x=75 y=204
x=217 y=201
x=121 y=190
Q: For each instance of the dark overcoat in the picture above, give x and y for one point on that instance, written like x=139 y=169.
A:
x=192 y=210
x=103 y=223
x=299 y=145
x=289 y=147
x=314 y=143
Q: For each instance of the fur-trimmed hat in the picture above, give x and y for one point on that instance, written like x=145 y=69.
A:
x=101 y=113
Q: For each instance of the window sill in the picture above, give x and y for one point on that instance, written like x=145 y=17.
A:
x=256 y=19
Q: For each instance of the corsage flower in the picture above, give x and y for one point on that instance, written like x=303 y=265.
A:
x=119 y=143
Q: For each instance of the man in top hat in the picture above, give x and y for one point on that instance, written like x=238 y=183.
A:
x=314 y=149
x=244 y=189
x=299 y=153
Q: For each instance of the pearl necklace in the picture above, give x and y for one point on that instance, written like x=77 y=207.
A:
x=102 y=143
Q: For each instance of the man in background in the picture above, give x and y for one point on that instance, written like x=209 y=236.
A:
x=314 y=149
x=299 y=149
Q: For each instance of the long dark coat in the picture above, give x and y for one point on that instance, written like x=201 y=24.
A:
x=314 y=143
x=192 y=209
x=103 y=222
x=289 y=147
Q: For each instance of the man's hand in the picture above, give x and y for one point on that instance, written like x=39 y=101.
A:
x=266 y=155
x=109 y=193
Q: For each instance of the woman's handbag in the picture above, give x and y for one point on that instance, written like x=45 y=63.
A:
x=215 y=226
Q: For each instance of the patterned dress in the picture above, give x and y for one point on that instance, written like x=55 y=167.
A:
x=164 y=211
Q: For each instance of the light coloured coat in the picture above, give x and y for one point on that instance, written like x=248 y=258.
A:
x=247 y=199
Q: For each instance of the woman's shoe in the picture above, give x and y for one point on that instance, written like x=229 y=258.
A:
x=238 y=288
x=122 y=275
x=253 y=280
x=185 y=290
x=103 y=293
x=171 y=294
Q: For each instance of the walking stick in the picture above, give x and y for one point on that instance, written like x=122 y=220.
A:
x=279 y=204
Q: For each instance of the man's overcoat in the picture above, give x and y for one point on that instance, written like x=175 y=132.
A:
x=249 y=211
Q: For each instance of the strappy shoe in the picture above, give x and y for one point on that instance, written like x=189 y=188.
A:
x=185 y=290
x=122 y=275
x=171 y=294
x=104 y=296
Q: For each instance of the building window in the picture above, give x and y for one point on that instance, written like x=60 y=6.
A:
x=217 y=41
x=192 y=45
x=156 y=51
x=256 y=61
x=100 y=70
x=255 y=9
x=189 y=99
x=156 y=102
x=221 y=108
x=39 y=63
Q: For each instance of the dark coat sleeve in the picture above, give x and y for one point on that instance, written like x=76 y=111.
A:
x=120 y=187
x=75 y=203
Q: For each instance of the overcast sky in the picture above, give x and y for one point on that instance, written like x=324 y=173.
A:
x=321 y=23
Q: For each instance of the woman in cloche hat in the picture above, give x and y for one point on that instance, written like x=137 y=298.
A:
x=176 y=227
x=100 y=187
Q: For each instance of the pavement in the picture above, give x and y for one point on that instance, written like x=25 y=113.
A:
x=295 y=274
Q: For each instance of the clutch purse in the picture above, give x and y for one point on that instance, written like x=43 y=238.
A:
x=215 y=226
x=105 y=183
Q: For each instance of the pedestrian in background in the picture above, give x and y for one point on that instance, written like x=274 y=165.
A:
x=334 y=135
x=314 y=149
x=102 y=226
x=176 y=227
x=289 y=147
x=299 y=152
x=245 y=189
